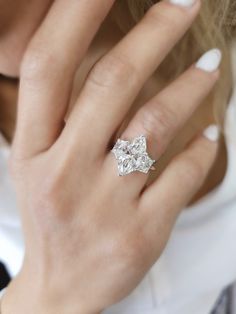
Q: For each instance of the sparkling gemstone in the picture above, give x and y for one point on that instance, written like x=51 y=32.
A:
x=126 y=165
x=132 y=156
x=138 y=145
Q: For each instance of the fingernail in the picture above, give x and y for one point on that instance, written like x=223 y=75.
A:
x=212 y=133
x=210 y=61
x=183 y=3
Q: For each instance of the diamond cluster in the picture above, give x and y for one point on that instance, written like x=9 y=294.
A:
x=132 y=156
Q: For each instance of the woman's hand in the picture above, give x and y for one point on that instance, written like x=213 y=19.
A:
x=90 y=234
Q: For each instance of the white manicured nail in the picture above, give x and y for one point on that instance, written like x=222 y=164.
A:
x=212 y=133
x=183 y=3
x=210 y=61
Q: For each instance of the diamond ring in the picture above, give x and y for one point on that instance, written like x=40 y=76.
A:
x=132 y=156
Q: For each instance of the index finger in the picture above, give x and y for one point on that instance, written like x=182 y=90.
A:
x=48 y=68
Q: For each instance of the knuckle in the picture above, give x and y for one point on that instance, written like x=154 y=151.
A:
x=112 y=70
x=167 y=120
x=157 y=121
x=36 y=64
x=148 y=121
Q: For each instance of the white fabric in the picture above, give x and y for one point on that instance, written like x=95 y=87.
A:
x=198 y=262
x=2 y=293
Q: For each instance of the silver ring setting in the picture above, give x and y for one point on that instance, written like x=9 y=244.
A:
x=132 y=156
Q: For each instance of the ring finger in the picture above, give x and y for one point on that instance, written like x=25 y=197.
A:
x=160 y=118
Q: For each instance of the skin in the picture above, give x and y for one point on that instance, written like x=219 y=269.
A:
x=19 y=34
x=91 y=222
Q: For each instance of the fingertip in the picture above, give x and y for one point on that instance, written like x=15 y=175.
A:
x=185 y=4
x=210 y=61
x=212 y=133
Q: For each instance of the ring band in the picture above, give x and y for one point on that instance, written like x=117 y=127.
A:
x=132 y=156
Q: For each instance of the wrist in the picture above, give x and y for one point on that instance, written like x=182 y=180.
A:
x=26 y=297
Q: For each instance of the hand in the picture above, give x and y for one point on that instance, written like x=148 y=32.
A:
x=91 y=235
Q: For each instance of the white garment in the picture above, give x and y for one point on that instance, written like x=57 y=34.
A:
x=198 y=262
x=1 y=294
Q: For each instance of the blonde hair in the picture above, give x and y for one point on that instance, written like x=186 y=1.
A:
x=214 y=27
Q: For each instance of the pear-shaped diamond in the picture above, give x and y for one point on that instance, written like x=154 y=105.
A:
x=132 y=156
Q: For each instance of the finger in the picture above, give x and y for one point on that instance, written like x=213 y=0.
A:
x=115 y=81
x=166 y=113
x=48 y=70
x=181 y=180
